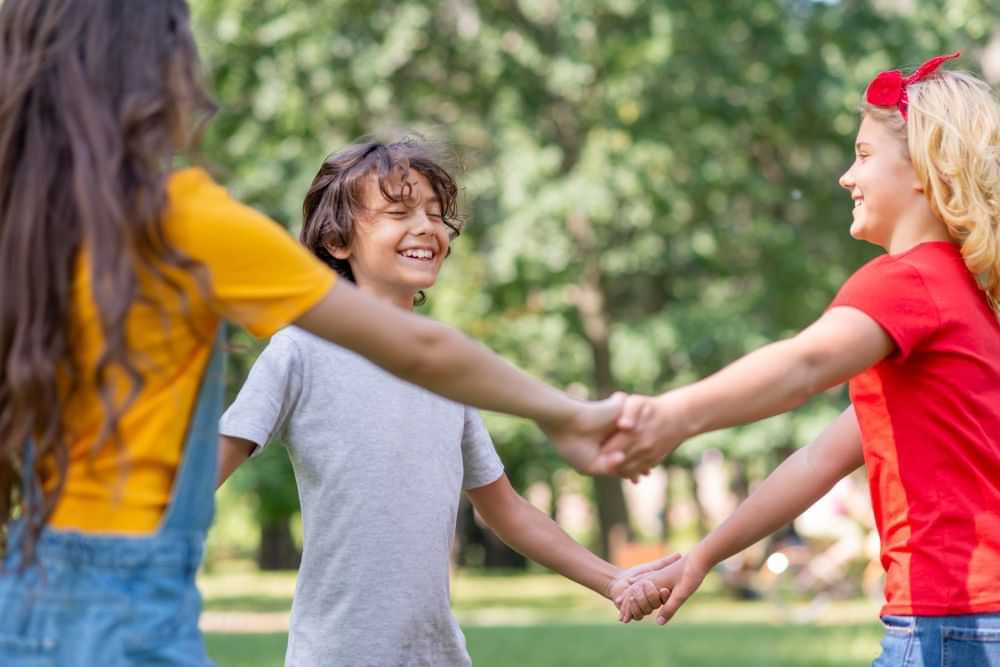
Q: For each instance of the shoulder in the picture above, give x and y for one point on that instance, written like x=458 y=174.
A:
x=314 y=349
x=936 y=262
x=888 y=275
x=202 y=215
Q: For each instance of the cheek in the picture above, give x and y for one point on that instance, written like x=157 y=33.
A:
x=444 y=242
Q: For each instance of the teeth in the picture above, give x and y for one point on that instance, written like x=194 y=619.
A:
x=857 y=203
x=418 y=253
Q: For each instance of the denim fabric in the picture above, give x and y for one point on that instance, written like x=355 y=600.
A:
x=971 y=640
x=109 y=601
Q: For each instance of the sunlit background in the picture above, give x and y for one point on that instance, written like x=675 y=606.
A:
x=651 y=189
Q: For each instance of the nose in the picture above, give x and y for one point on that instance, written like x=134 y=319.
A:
x=847 y=179
x=421 y=222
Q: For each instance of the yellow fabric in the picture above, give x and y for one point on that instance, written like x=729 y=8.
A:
x=259 y=278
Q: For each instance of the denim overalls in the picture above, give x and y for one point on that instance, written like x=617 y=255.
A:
x=105 y=600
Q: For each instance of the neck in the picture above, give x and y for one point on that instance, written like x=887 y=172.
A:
x=920 y=228
x=401 y=299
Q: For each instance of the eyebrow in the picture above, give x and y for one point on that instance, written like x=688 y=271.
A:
x=389 y=204
x=859 y=144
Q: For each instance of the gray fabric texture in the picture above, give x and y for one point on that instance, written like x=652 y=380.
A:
x=380 y=466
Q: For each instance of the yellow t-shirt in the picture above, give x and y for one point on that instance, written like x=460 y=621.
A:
x=259 y=278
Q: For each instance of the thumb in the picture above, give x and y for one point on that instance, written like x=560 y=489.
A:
x=631 y=411
x=678 y=596
x=604 y=463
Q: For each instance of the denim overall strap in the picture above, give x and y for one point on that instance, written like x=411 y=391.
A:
x=192 y=504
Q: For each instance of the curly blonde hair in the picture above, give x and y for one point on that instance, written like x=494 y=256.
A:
x=952 y=138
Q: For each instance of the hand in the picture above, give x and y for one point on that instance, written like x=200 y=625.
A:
x=578 y=439
x=649 y=429
x=626 y=578
x=648 y=592
x=674 y=584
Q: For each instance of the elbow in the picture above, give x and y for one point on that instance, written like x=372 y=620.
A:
x=808 y=375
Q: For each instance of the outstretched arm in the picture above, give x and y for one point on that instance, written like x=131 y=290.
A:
x=449 y=363
x=800 y=481
x=531 y=532
x=771 y=380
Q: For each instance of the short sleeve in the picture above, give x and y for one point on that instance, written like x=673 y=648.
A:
x=261 y=278
x=893 y=293
x=480 y=460
x=269 y=395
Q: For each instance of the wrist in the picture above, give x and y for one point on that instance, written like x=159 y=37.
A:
x=701 y=559
x=613 y=574
x=559 y=411
x=682 y=409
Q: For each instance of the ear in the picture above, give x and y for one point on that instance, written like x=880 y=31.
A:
x=338 y=252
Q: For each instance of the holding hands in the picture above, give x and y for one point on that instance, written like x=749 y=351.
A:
x=665 y=588
x=622 y=435
x=648 y=429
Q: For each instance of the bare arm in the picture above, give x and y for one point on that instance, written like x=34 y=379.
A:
x=447 y=362
x=232 y=453
x=791 y=489
x=771 y=380
x=533 y=534
x=796 y=484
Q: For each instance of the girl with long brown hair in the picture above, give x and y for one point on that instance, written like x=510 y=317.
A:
x=115 y=275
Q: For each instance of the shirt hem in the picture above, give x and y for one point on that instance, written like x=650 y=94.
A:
x=990 y=607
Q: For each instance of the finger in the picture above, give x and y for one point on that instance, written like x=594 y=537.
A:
x=620 y=441
x=677 y=597
x=604 y=464
x=669 y=559
x=653 y=596
x=652 y=566
x=632 y=410
x=649 y=592
x=629 y=469
x=636 y=610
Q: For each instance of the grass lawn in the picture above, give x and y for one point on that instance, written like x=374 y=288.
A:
x=540 y=620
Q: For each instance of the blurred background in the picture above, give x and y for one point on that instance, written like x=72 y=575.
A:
x=651 y=190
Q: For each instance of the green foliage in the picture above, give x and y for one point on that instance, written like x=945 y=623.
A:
x=652 y=186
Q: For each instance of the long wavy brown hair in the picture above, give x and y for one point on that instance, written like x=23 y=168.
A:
x=96 y=97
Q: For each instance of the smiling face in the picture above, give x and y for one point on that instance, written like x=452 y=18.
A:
x=398 y=246
x=882 y=183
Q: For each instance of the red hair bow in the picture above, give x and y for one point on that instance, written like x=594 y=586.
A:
x=888 y=89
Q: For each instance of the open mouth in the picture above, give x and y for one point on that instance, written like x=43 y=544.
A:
x=419 y=254
x=858 y=201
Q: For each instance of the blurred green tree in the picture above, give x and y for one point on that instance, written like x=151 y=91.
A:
x=653 y=185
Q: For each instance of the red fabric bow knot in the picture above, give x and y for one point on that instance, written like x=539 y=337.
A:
x=888 y=89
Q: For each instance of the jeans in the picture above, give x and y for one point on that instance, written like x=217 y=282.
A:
x=971 y=640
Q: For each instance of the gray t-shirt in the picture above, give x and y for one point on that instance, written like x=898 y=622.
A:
x=380 y=466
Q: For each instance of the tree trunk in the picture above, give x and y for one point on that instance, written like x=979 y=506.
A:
x=277 y=549
x=668 y=502
x=590 y=300
x=700 y=511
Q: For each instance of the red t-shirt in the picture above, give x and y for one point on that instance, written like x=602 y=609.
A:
x=930 y=422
